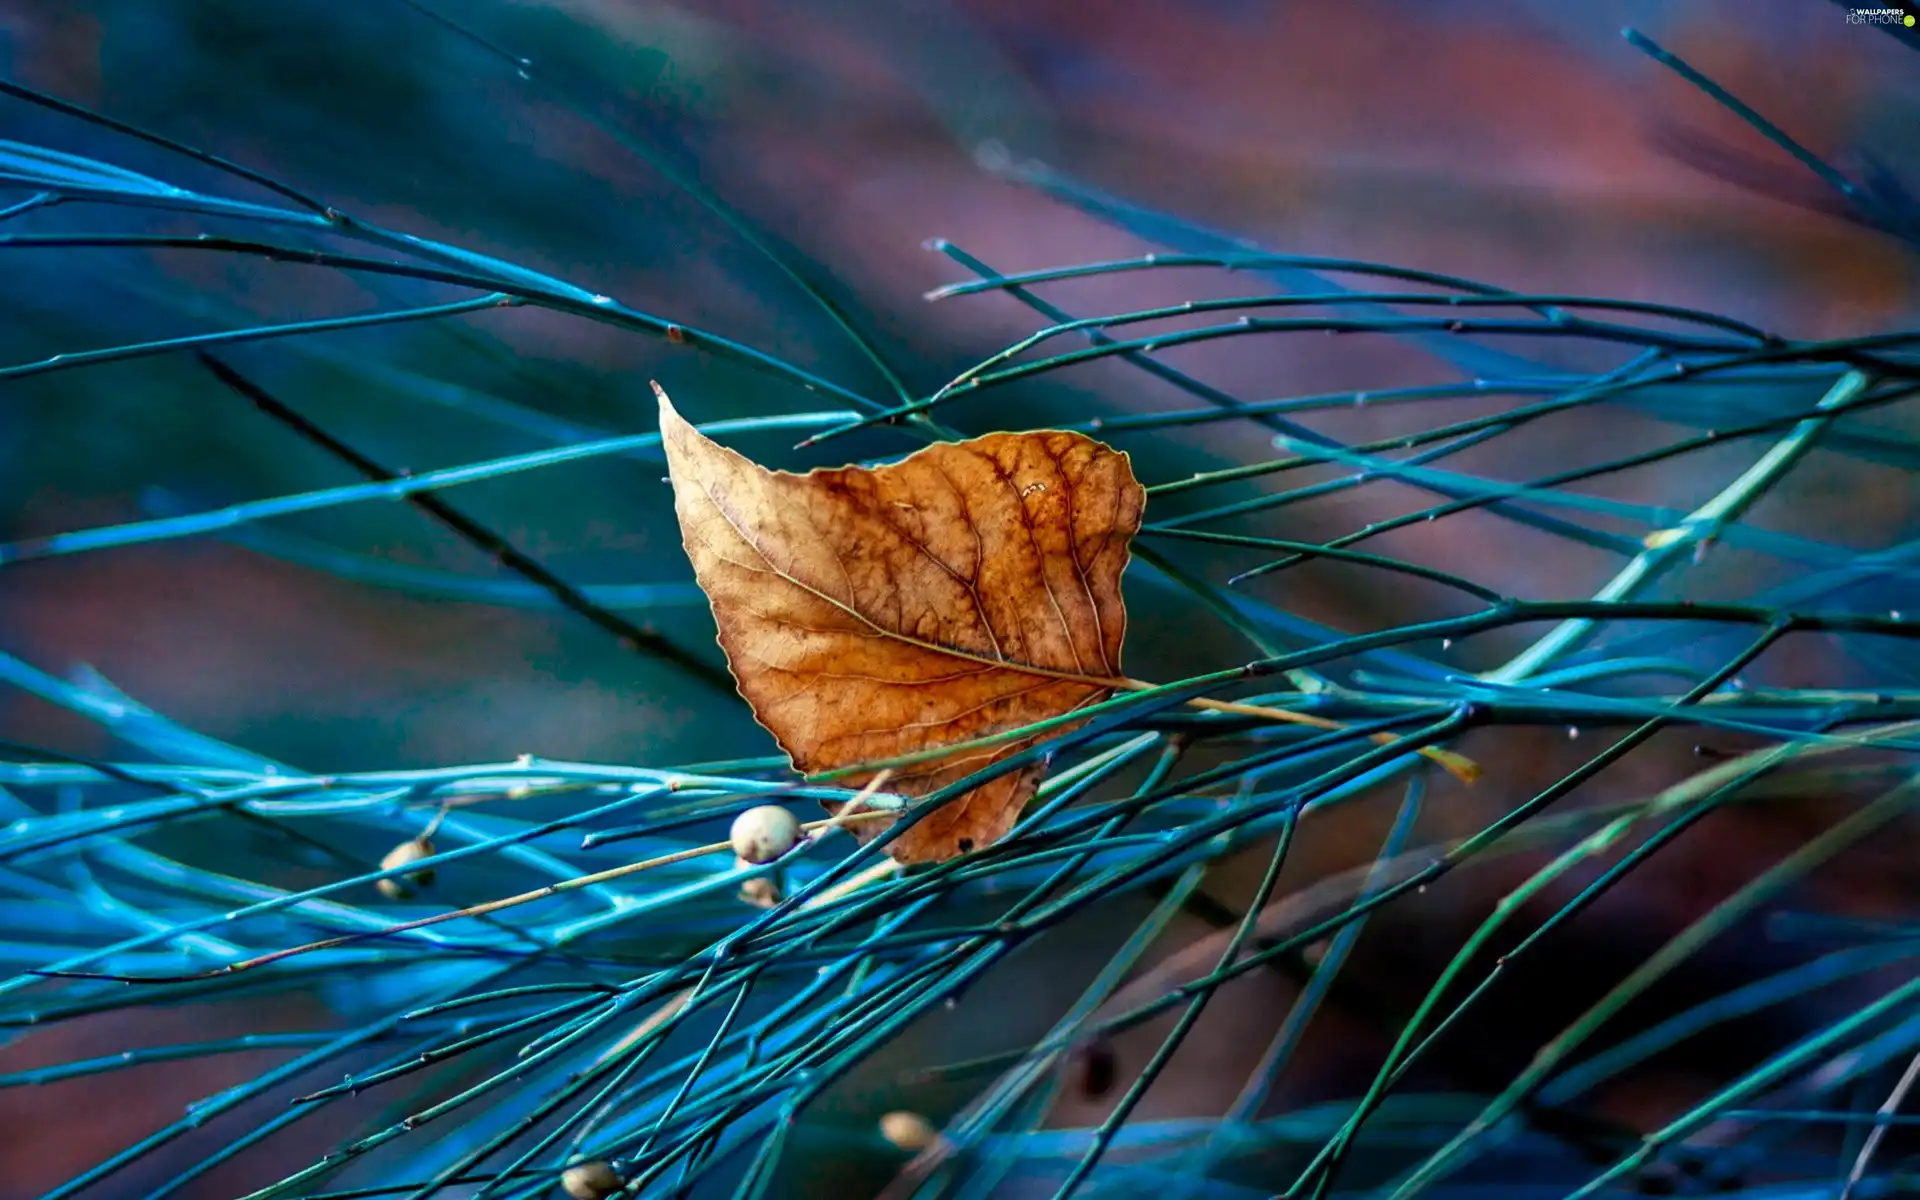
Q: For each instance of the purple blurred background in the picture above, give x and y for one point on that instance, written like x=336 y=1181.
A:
x=1518 y=142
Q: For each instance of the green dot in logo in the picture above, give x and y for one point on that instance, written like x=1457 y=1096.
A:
x=1909 y=22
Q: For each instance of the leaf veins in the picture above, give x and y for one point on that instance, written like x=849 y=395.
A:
x=970 y=589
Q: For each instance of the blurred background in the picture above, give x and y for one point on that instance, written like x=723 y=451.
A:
x=1522 y=143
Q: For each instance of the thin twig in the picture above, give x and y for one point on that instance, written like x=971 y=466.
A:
x=631 y=636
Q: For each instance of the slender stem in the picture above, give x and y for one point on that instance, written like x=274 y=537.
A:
x=1699 y=528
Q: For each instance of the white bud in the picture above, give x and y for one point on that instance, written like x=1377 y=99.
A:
x=762 y=891
x=395 y=887
x=590 y=1181
x=763 y=834
x=908 y=1130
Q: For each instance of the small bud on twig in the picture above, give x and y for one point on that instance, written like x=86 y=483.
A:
x=399 y=887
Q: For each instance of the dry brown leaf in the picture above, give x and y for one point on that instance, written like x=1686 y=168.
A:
x=969 y=589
